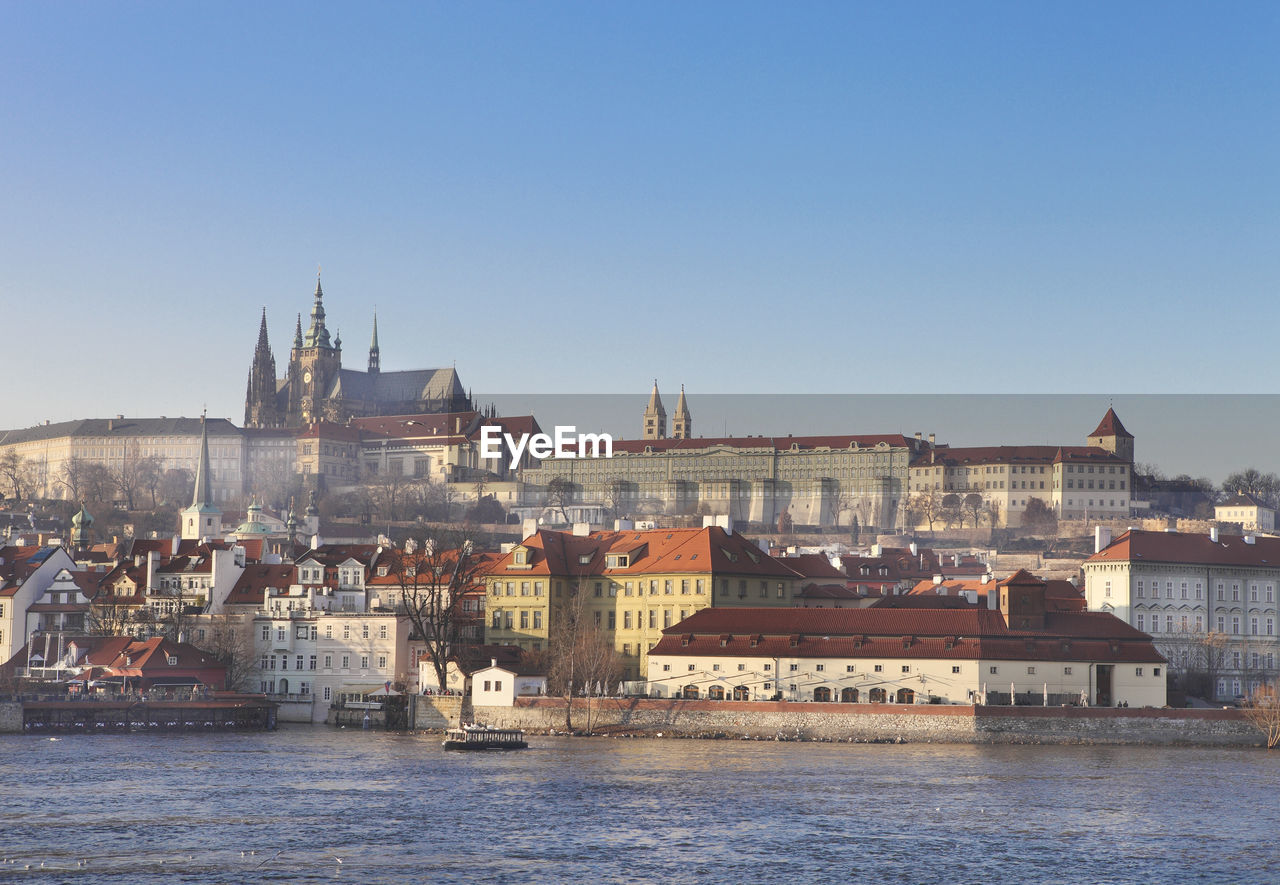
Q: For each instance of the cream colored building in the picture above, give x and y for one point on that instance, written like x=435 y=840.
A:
x=1074 y=482
x=818 y=480
x=879 y=655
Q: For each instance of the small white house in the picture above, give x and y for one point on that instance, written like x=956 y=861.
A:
x=499 y=686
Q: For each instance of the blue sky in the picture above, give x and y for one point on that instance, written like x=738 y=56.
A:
x=576 y=197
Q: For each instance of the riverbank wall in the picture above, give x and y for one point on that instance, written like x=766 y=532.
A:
x=877 y=723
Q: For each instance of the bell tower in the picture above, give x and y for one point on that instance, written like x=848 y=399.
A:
x=655 y=416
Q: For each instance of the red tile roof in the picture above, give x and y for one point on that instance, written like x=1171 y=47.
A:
x=968 y=633
x=1110 y=426
x=770 y=443
x=1193 y=549
x=656 y=551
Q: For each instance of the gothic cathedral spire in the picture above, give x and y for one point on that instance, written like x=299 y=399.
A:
x=260 y=406
x=375 y=355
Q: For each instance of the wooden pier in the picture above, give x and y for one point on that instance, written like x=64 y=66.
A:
x=242 y=713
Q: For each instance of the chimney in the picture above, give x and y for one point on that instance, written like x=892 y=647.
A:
x=1101 y=538
x=914 y=548
x=173 y=545
x=1250 y=538
x=937 y=580
x=1213 y=534
x=581 y=529
x=919 y=436
x=932 y=438
x=493 y=662
x=986 y=578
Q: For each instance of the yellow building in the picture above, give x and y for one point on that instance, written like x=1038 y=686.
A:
x=632 y=584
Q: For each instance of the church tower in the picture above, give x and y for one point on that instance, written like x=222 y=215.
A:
x=375 y=355
x=1111 y=435
x=655 y=417
x=681 y=422
x=260 y=406
x=202 y=519
x=314 y=366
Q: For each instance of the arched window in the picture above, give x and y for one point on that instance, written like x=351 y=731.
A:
x=690 y=691
x=716 y=693
x=849 y=696
x=741 y=693
x=877 y=696
x=906 y=696
x=822 y=693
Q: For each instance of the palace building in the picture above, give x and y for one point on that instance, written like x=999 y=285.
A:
x=315 y=385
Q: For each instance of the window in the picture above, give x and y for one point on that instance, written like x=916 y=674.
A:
x=741 y=667
x=906 y=668
x=266 y=632
x=364 y=631
x=626 y=620
x=382 y=631
x=821 y=667
x=879 y=668
x=312 y=662
x=795 y=667
x=537 y=620
x=1066 y=671
x=328 y=662
x=328 y=693
x=849 y=668
x=364 y=662
x=524 y=620
x=955 y=669
x=993 y=670
x=346 y=631
x=1031 y=671
x=1137 y=671
x=691 y=668
x=382 y=662
x=346 y=662
x=299 y=663
x=666 y=668
x=653 y=619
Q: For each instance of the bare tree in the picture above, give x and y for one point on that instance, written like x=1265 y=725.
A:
x=71 y=478
x=952 y=509
x=110 y=615
x=1039 y=519
x=928 y=506
x=559 y=496
x=1263 y=486
x=582 y=653
x=1262 y=709
x=431 y=574
x=227 y=638
x=15 y=470
x=176 y=486
x=615 y=497
x=975 y=506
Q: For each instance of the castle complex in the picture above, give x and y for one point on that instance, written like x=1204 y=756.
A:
x=315 y=386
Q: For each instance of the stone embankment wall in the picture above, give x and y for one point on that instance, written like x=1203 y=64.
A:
x=11 y=717
x=878 y=723
x=438 y=712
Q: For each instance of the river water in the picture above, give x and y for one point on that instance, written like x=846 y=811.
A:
x=284 y=806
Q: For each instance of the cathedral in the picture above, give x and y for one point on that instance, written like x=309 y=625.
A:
x=315 y=386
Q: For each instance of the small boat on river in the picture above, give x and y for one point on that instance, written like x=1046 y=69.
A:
x=482 y=737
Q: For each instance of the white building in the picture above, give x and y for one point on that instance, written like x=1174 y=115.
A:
x=1196 y=594
x=498 y=685
x=876 y=655
x=1251 y=514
